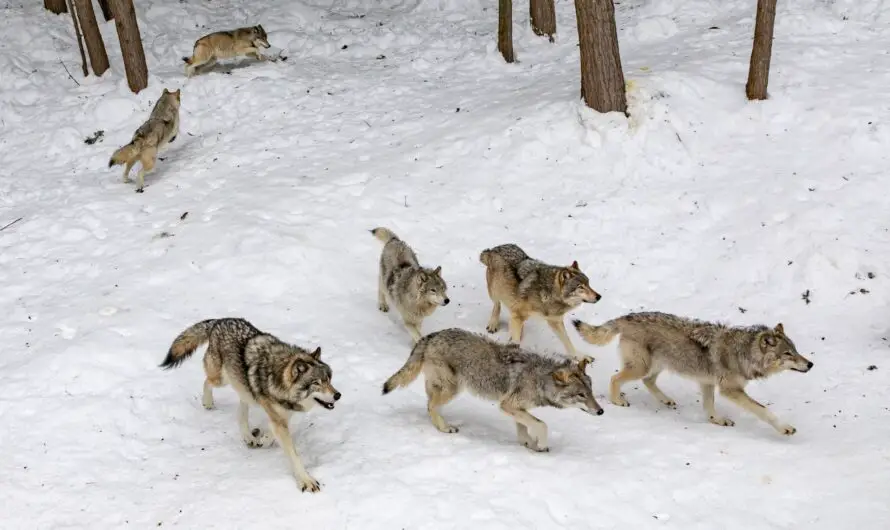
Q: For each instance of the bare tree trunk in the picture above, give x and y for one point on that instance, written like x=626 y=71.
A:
x=131 y=44
x=106 y=10
x=56 y=6
x=91 y=35
x=602 y=80
x=505 y=29
x=83 y=57
x=761 y=52
x=543 y=17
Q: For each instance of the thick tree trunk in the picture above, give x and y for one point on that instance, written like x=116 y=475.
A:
x=131 y=44
x=83 y=57
x=106 y=10
x=505 y=29
x=56 y=6
x=602 y=80
x=91 y=35
x=761 y=52
x=543 y=18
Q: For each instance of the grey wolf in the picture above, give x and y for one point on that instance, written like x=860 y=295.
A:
x=714 y=355
x=454 y=359
x=226 y=45
x=415 y=291
x=159 y=130
x=263 y=370
x=530 y=287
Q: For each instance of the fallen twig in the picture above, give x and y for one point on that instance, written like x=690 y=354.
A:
x=10 y=224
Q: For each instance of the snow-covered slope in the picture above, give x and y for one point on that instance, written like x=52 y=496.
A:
x=402 y=114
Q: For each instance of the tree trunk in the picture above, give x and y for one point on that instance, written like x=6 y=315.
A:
x=543 y=18
x=106 y=10
x=91 y=35
x=602 y=80
x=131 y=44
x=761 y=52
x=56 y=6
x=83 y=57
x=505 y=29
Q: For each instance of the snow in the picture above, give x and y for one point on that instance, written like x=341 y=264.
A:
x=700 y=203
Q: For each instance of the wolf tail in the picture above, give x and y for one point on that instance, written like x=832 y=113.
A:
x=385 y=235
x=124 y=154
x=485 y=257
x=187 y=60
x=598 y=335
x=187 y=342
x=408 y=373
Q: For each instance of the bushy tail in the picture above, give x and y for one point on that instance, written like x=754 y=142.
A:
x=124 y=154
x=485 y=257
x=385 y=235
x=408 y=373
x=187 y=60
x=186 y=343
x=598 y=335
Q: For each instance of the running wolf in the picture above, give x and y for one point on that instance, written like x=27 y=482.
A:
x=715 y=355
x=226 y=45
x=454 y=359
x=160 y=129
x=530 y=287
x=279 y=377
x=414 y=290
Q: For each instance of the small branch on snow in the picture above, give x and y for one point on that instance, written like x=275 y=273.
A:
x=10 y=224
x=67 y=72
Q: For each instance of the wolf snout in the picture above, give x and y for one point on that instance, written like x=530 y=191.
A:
x=337 y=396
x=446 y=301
x=599 y=412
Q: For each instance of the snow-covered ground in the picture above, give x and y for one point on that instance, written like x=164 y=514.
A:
x=402 y=114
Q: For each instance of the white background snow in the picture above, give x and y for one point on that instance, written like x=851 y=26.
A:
x=402 y=114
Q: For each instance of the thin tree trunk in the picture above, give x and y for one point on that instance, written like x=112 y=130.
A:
x=762 y=50
x=56 y=6
x=106 y=10
x=602 y=80
x=83 y=57
x=543 y=17
x=91 y=36
x=505 y=29
x=131 y=44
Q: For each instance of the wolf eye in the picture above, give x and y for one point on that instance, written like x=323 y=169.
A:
x=787 y=353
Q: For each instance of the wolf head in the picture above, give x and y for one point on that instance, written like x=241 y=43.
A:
x=779 y=352
x=574 y=286
x=432 y=287
x=259 y=37
x=569 y=387
x=173 y=97
x=308 y=381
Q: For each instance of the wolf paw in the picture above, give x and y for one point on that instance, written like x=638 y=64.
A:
x=448 y=429
x=787 y=430
x=140 y=190
x=258 y=439
x=309 y=484
x=723 y=422
x=669 y=403
x=531 y=444
x=492 y=328
x=208 y=405
x=383 y=307
x=619 y=401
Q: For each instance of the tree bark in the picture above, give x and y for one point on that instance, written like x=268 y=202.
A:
x=543 y=18
x=762 y=50
x=106 y=10
x=56 y=6
x=91 y=36
x=505 y=29
x=131 y=44
x=602 y=80
x=83 y=57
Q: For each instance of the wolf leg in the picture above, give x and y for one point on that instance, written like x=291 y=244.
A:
x=559 y=327
x=495 y=318
x=707 y=399
x=742 y=399
x=278 y=424
x=522 y=435
x=649 y=381
x=213 y=373
x=148 y=163
x=635 y=366
x=414 y=330
x=127 y=168
x=516 y=324
x=536 y=428
x=255 y=437
x=439 y=391
x=381 y=295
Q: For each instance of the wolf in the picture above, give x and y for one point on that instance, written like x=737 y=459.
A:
x=530 y=287
x=714 y=355
x=226 y=45
x=454 y=359
x=415 y=291
x=161 y=129
x=279 y=377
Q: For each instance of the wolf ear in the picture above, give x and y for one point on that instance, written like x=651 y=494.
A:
x=316 y=354
x=298 y=368
x=562 y=276
x=260 y=27
x=166 y=91
x=438 y=271
x=562 y=376
x=575 y=266
x=767 y=339
x=780 y=329
x=582 y=364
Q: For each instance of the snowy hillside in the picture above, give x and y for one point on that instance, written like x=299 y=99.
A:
x=402 y=114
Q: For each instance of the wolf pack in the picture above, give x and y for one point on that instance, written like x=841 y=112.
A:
x=283 y=378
